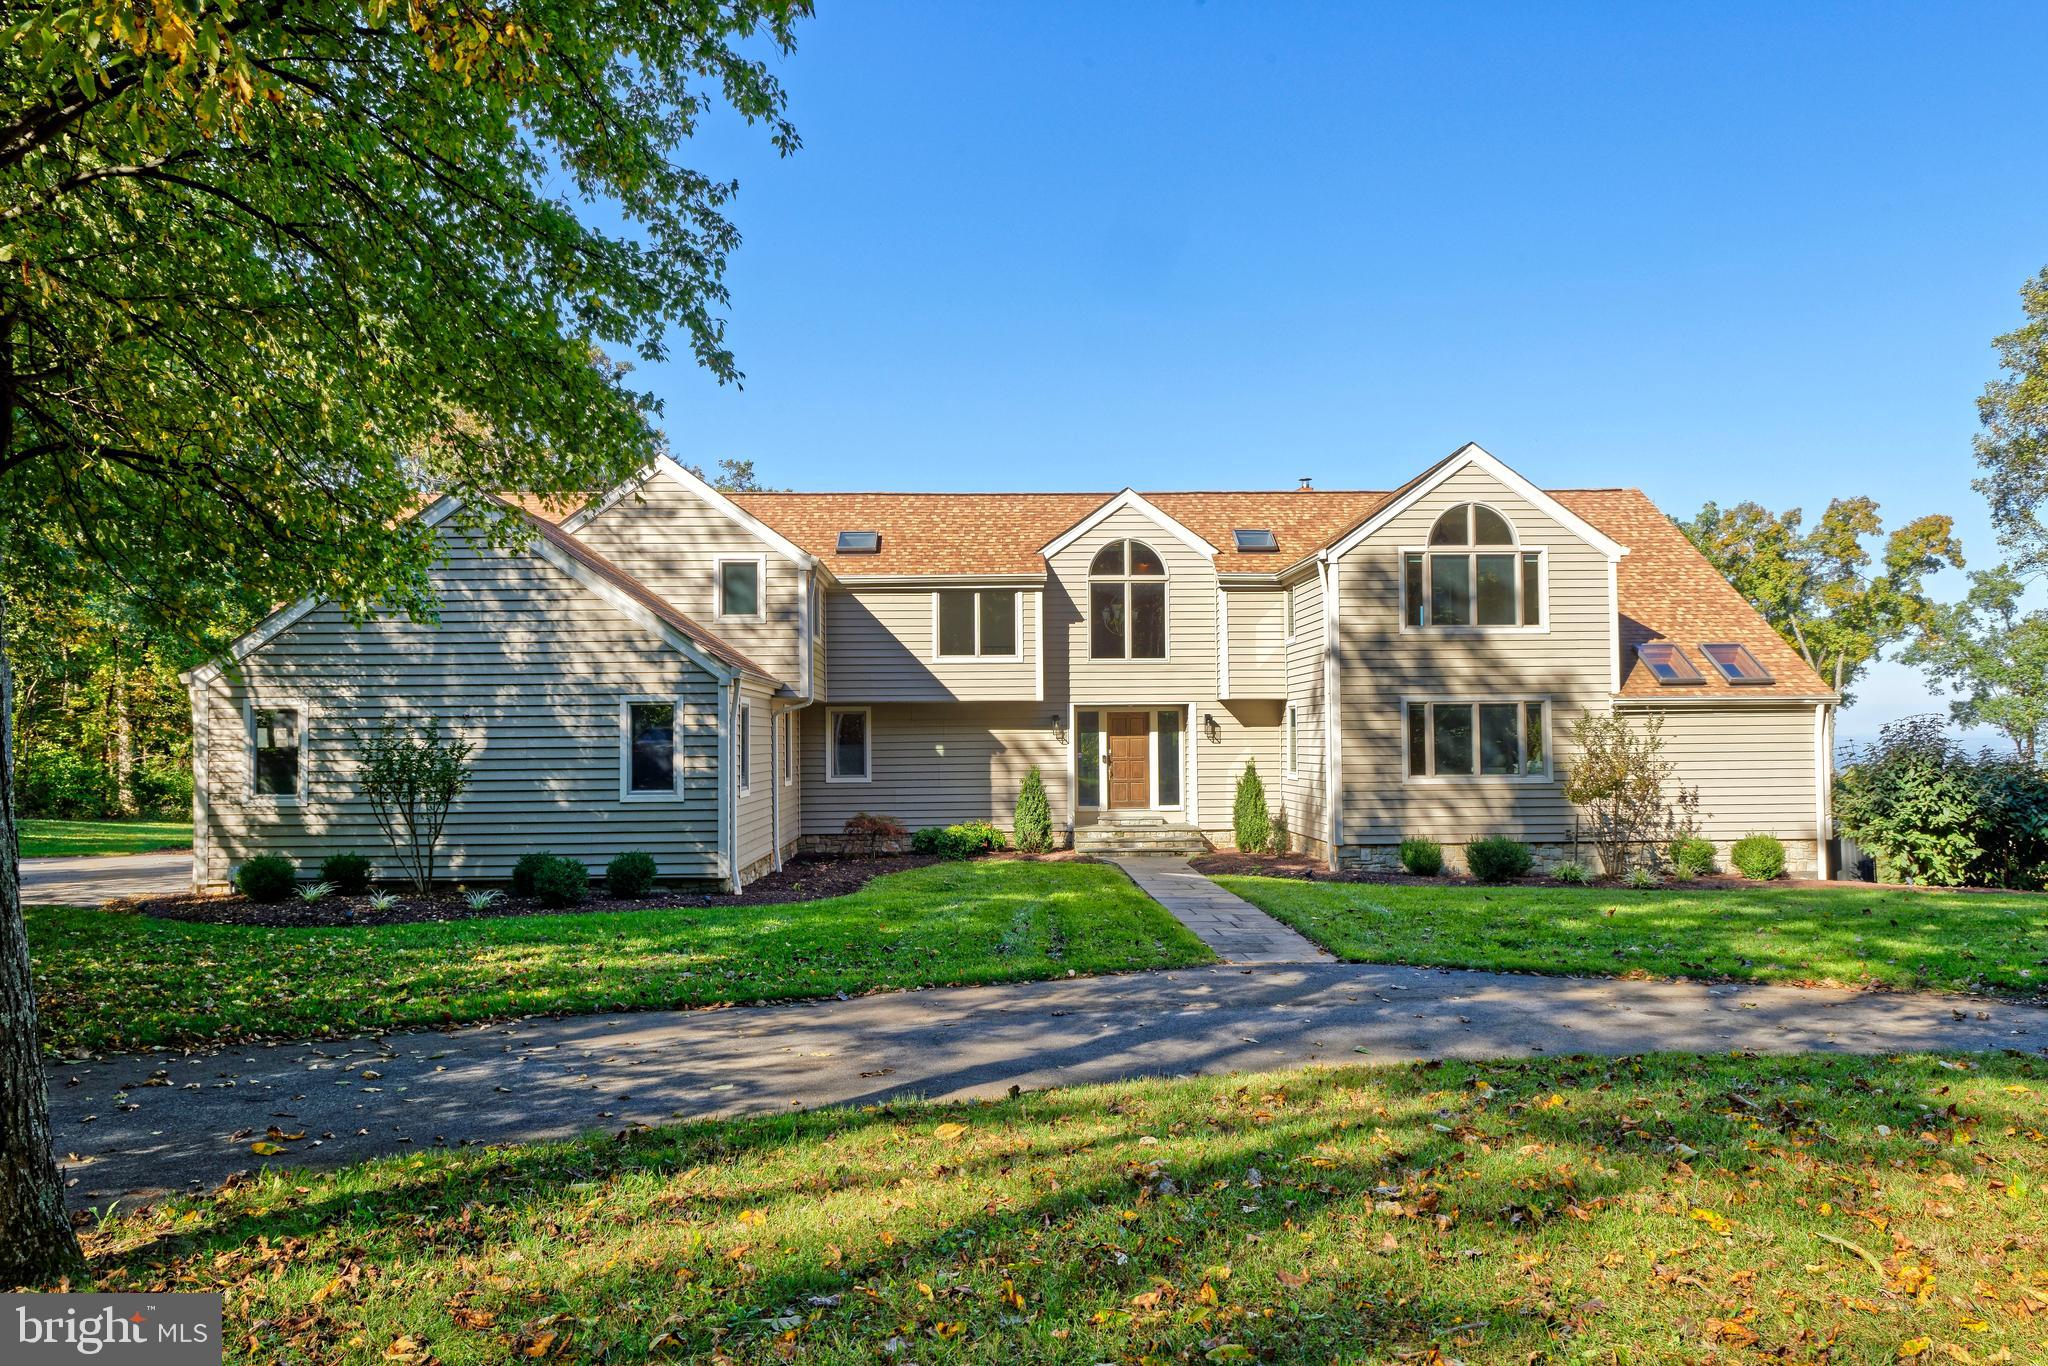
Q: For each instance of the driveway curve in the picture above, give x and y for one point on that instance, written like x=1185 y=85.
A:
x=149 y=1123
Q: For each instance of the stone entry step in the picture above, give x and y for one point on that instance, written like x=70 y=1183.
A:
x=1136 y=838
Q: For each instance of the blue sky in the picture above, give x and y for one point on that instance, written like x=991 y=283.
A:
x=1729 y=252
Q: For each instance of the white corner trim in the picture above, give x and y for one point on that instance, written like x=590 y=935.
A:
x=1333 y=710
x=1037 y=601
x=1613 y=623
x=733 y=512
x=202 y=809
x=1129 y=498
x=1468 y=456
x=1222 y=646
x=1822 y=794
x=728 y=797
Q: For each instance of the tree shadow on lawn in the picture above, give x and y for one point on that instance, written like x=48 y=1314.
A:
x=1488 y=1208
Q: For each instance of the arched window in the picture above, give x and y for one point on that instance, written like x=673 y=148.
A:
x=1472 y=574
x=1127 y=602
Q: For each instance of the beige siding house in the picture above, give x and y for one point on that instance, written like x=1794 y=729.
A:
x=724 y=680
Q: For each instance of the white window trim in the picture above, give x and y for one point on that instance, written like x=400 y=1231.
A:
x=1017 y=618
x=832 y=774
x=743 y=755
x=1189 y=718
x=251 y=704
x=789 y=735
x=718 y=564
x=1292 y=766
x=675 y=763
x=1290 y=625
x=1549 y=774
x=1542 y=555
x=1126 y=580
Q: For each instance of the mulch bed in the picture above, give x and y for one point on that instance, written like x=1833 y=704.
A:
x=1315 y=870
x=801 y=879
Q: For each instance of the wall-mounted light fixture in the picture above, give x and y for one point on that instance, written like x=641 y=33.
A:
x=1059 y=728
x=1211 y=729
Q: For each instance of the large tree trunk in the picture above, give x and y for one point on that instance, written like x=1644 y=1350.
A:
x=37 y=1246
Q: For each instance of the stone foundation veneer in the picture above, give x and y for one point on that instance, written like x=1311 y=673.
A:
x=1800 y=861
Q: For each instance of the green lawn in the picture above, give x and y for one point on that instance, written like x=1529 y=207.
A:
x=41 y=838
x=1664 y=1209
x=1851 y=936
x=112 y=980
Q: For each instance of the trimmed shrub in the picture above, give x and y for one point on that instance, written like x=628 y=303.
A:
x=961 y=841
x=1572 y=872
x=1033 y=823
x=867 y=831
x=630 y=874
x=267 y=878
x=350 y=873
x=1692 y=856
x=561 y=882
x=1251 y=820
x=1282 y=839
x=1497 y=858
x=1759 y=857
x=525 y=868
x=1424 y=858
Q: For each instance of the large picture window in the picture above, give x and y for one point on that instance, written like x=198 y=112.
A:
x=276 y=751
x=1489 y=739
x=1127 y=602
x=648 y=741
x=977 y=623
x=1472 y=574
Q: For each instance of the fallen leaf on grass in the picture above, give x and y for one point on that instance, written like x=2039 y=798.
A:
x=948 y=1132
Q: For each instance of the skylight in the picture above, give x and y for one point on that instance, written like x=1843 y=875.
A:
x=1736 y=663
x=1255 y=541
x=860 y=542
x=1668 y=663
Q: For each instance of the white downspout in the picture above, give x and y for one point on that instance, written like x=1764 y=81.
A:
x=1823 y=796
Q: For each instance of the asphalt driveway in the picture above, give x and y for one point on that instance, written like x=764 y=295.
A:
x=93 y=879
x=155 y=1122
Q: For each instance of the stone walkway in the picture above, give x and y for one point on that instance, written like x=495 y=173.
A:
x=1239 y=931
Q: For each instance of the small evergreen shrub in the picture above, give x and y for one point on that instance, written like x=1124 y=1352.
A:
x=1572 y=872
x=1691 y=856
x=1424 y=858
x=350 y=873
x=1497 y=858
x=1033 y=822
x=525 y=868
x=1282 y=839
x=1251 y=820
x=961 y=841
x=561 y=882
x=1759 y=857
x=630 y=874
x=267 y=878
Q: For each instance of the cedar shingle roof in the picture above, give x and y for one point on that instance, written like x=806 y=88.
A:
x=1670 y=592
x=1001 y=533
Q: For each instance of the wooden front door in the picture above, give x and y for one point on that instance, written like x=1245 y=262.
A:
x=1130 y=759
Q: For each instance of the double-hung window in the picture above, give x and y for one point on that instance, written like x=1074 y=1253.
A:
x=277 y=752
x=1471 y=574
x=789 y=734
x=739 y=590
x=1127 y=602
x=647 y=743
x=745 y=736
x=1478 y=739
x=976 y=623
x=849 y=751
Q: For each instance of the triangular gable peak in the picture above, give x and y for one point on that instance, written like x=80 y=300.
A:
x=1133 y=500
x=1474 y=456
x=668 y=467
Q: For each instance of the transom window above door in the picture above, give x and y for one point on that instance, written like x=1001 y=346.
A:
x=1127 y=602
x=1471 y=575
